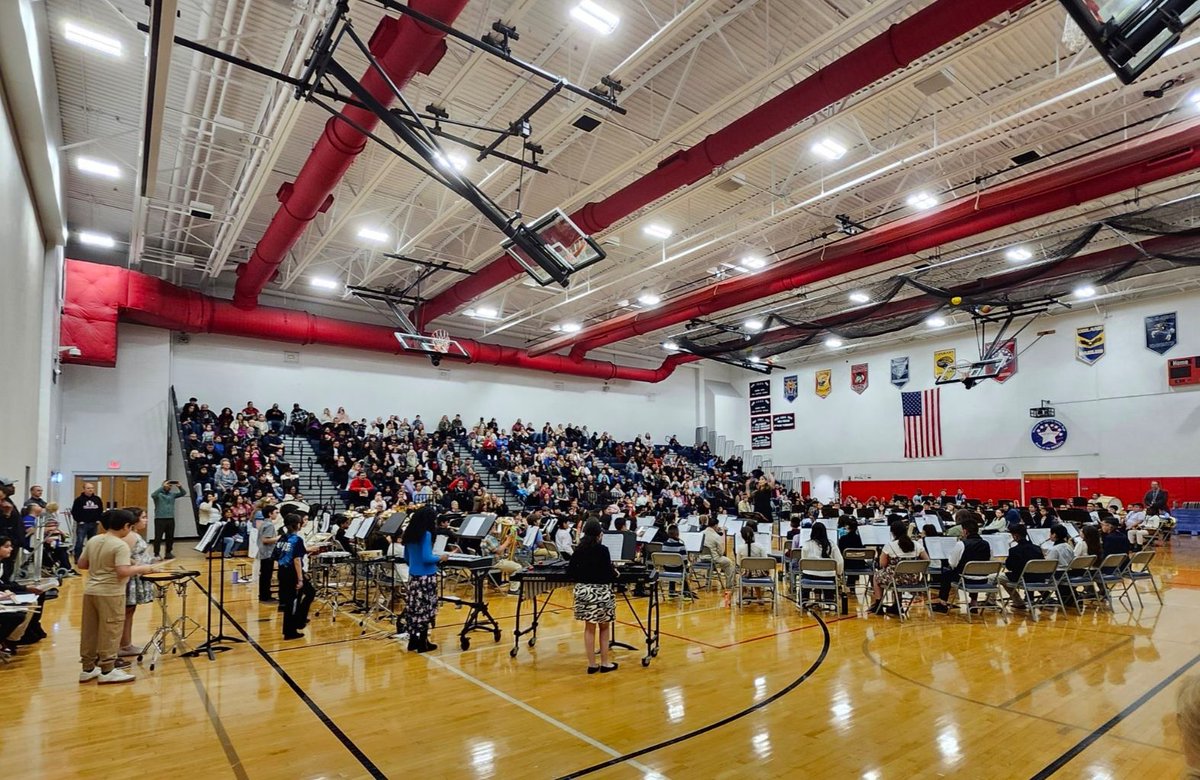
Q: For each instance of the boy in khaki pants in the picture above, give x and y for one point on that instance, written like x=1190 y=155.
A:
x=106 y=558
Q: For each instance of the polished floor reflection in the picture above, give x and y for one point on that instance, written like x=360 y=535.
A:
x=1071 y=696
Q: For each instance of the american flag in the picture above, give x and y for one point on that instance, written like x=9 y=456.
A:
x=922 y=423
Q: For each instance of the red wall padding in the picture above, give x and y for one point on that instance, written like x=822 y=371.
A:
x=1127 y=489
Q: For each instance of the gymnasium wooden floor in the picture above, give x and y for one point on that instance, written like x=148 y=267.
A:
x=731 y=695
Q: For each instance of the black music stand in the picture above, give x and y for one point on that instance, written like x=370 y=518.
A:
x=212 y=645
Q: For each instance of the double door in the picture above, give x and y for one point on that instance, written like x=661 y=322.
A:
x=116 y=490
x=1050 y=485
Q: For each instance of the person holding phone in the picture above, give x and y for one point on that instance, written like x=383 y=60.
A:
x=164 y=516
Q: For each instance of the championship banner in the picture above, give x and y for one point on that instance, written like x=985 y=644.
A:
x=1006 y=353
x=784 y=422
x=900 y=371
x=1089 y=344
x=824 y=383
x=1161 y=335
x=943 y=363
x=791 y=388
x=760 y=424
x=760 y=442
x=760 y=406
x=760 y=389
x=858 y=377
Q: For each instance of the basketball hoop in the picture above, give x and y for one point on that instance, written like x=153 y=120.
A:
x=441 y=340
x=1073 y=38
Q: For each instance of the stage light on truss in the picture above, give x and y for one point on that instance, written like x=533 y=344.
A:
x=102 y=240
x=858 y=296
x=936 y=321
x=648 y=298
x=833 y=342
x=372 y=235
x=1018 y=254
x=922 y=201
x=1084 y=291
x=753 y=262
x=453 y=160
x=92 y=40
x=657 y=231
x=828 y=149
x=755 y=359
x=671 y=346
x=570 y=327
x=98 y=168
x=596 y=17
x=323 y=283
x=753 y=325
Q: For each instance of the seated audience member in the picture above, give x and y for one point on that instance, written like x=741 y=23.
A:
x=500 y=551
x=1145 y=527
x=900 y=548
x=232 y=532
x=970 y=547
x=1021 y=552
x=17 y=628
x=673 y=544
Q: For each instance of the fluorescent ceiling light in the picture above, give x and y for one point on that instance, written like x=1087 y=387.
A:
x=98 y=168
x=454 y=160
x=829 y=149
x=922 y=201
x=571 y=327
x=655 y=230
x=671 y=346
x=1084 y=291
x=753 y=325
x=648 y=298
x=755 y=359
x=487 y=312
x=833 y=342
x=93 y=40
x=323 y=283
x=371 y=234
x=101 y=240
x=1018 y=254
x=593 y=15
x=753 y=263
x=858 y=296
x=936 y=321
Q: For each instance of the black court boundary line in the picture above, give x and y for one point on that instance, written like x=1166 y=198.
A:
x=723 y=721
x=1112 y=722
x=347 y=743
x=214 y=717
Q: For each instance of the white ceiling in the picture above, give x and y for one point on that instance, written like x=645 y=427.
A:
x=232 y=137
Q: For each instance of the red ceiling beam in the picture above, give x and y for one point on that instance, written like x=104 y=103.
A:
x=925 y=31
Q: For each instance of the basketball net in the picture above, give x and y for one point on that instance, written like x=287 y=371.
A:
x=441 y=340
x=1073 y=38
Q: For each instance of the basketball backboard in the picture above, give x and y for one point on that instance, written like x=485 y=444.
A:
x=437 y=345
x=560 y=243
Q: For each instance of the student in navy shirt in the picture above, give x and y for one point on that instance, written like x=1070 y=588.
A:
x=296 y=592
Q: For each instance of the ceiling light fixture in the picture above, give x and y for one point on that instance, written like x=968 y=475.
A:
x=753 y=325
x=828 y=149
x=323 y=283
x=371 y=234
x=571 y=327
x=487 y=312
x=102 y=240
x=93 y=40
x=647 y=298
x=753 y=262
x=655 y=230
x=598 y=18
x=1018 y=254
x=755 y=359
x=97 y=168
x=833 y=342
x=858 y=296
x=936 y=321
x=671 y=346
x=1084 y=291
x=922 y=201
x=453 y=160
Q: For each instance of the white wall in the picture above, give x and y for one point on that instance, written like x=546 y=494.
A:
x=1122 y=419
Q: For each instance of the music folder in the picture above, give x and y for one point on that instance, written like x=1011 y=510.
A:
x=620 y=545
x=210 y=537
x=939 y=547
x=646 y=533
x=439 y=544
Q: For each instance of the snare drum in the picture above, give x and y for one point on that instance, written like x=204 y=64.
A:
x=334 y=555
x=163 y=577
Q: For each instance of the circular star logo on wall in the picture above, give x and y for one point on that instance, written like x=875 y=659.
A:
x=1049 y=435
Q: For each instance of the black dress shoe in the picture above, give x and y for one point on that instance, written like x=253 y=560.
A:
x=940 y=608
x=607 y=669
x=297 y=635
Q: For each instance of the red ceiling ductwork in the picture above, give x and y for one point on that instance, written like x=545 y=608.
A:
x=1154 y=156
x=403 y=47
x=97 y=296
x=918 y=35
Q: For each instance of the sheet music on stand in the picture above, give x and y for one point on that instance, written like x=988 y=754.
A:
x=647 y=533
x=875 y=535
x=939 y=548
x=692 y=542
x=646 y=522
x=616 y=546
x=531 y=535
x=364 y=529
x=210 y=537
x=763 y=538
x=476 y=526
x=733 y=528
x=1000 y=544
x=355 y=524
x=1039 y=536
x=439 y=543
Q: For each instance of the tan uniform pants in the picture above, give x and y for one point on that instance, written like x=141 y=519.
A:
x=100 y=636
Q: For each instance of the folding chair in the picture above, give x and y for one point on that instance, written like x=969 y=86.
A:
x=704 y=563
x=1137 y=571
x=791 y=564
x=918 y=572
x=820 y=574
x=1111 y=574
x=1082 y=574
x=757 y=573
x=672 y=569
x=1040 y=576
x=551 y=548
x=982 y=578
x=858 y=563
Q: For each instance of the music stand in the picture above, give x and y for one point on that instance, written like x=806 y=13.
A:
x=620 y=545
x=392 y=525
x=212 y=645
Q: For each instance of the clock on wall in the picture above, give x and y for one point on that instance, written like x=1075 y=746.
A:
x=1000 y=469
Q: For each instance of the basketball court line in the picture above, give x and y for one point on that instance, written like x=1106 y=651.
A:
x=616 y=754
x=214 y=717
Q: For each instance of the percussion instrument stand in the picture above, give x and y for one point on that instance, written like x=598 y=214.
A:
x=168 y=629
x=329 y=593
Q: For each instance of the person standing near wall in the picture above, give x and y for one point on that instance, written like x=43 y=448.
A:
x=268 y=535
x=86 y=512
x=164 y=516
